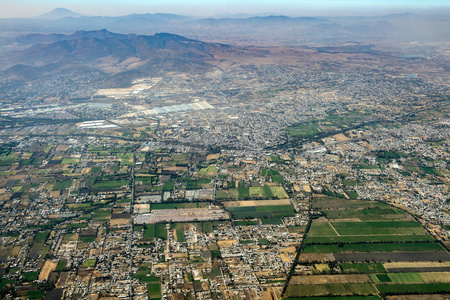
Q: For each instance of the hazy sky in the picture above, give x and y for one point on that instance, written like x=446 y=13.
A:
x=26 y=8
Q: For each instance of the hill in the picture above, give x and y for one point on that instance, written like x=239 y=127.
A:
x=108 y=59
x=111 y=52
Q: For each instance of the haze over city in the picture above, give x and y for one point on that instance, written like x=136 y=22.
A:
x=199 y=8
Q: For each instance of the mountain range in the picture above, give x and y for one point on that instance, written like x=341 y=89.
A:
x=280 y=30
x=111 y=57
x=84 y=47
x=61 y=47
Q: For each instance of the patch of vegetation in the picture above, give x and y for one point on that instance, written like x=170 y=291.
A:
x=154 y=291
x=207 y=227
x=160 y=231
x=90 y=263
x=179 y=228
x=41 y=237
x=30 y=276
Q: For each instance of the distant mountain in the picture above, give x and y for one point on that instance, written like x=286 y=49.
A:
x=89 y=46
x=60 y=13
x=110 y=53
x=280 y=30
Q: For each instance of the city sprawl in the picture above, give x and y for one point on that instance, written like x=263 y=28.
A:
x=259 y=181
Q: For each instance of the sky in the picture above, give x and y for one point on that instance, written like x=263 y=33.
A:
x=202 y=8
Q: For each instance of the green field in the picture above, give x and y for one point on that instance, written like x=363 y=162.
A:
x=68 y=160
x=77 y=225
x=264 y=242
x=178 y=159
x=222 y=194
x=268 y=191
x=154 y=291
x=368 y=239
x=79 y=206
x=254 y=192
x=148 y=179
x=215 y=252
x=90 y=263
x=337 y=298
x=381 y=227
x=257 y=192
x=179 y=227
x=332 y=122
x=366 y=214
x=60 y=266
x=246 y=242
x=227 y=194
x=425 y=288
x=195 y=183
x=215 y=272
x=364 y=268
x=245 y=223
x=143 y=273
x=338 y=289
x=101 y=215
x=110 y=184
x=62 y=185
x=7 y=161
x=207 y=227
x=397 y=278
x=30 y=276
x=244 y=192
x=149 y=231
x=35 y=294
x=41 y=237
x=88 y=239
x=328 y=204
x=267 y=208
x=319 y=229
x=160 y=231
x=271 y=221
x=4 y=282
x=402 y=247
x=168 y=186
x=304 y=130
x=278 y=192
x=211 y=170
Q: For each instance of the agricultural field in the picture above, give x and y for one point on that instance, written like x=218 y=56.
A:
x=179 y=231
x=259 y=209
x=364 y=268
x=206 y=227
x=209 y=171
x=194 y=183
x=333 y=289
x=107 y=184
x=384 y=244
x=259 y=192
x=334 y=297
x=160 y=231
x=379 y=228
